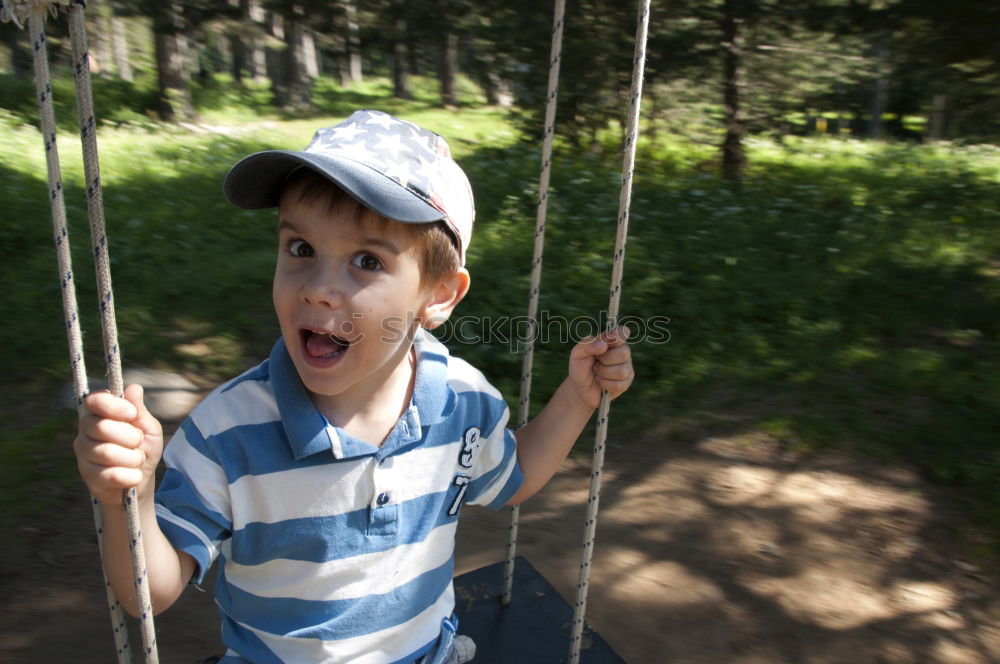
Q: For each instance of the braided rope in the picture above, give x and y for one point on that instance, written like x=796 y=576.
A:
x=35 y=12
x=109 y=327
x=600 y=440
x=536 y=272
x=43 y=88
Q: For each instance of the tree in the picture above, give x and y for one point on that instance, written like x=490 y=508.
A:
x=169 y=31
x=400 y=51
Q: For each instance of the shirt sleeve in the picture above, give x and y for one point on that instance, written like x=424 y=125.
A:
x=192 y=502
x=496 y=475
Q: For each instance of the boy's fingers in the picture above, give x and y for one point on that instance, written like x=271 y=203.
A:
x=144 y=419
x=588 y=347
x=112 y=455
x=600 y=345
x=614 y=387
x=118 y=477
x=114 y=431
x=617 y=335
x=105 y=404
x=616 y=355
x=622 y=371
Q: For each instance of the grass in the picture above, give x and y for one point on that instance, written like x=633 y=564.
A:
x=845 y=294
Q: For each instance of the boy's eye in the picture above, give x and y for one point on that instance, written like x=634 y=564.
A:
x=367 y=262
x=300 y=249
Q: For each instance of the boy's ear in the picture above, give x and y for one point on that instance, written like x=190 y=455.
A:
x=444 y=298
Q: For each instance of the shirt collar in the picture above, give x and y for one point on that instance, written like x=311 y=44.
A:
x=432 y=395
x=309 y=432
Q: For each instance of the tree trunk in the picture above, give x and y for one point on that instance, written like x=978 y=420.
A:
x=255 y=56
x=937 y=129
x=277 y=68
x=448 y=69
x=400 y=54
x=295 y=88
x=168 y=28
x=880 y=95
x=354 y=74
x=119 y=47
x=20 y=57
x=733 y=157
x=310 y=56
x=99 y=39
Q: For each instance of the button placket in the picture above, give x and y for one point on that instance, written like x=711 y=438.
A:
x=383 y=512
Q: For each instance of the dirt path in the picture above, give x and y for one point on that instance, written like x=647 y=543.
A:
x=725 y=550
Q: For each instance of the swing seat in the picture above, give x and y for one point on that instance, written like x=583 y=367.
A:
x=533 y=629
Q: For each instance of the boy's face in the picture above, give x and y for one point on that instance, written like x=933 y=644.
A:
x=348 y=296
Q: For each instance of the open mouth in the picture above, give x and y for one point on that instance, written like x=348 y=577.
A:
x=320 y=345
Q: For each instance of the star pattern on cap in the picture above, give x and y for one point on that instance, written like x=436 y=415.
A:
x=398 y=149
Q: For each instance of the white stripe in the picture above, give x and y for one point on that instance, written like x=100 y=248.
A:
x=314 y=491
x=376 y=648
x=206 y=477
x=336 y=444
x=463 y=377
x=166 y=515
x=490 y=495
x=318 y=491
x=490 y=455
x=246 y=402
x=349 y=578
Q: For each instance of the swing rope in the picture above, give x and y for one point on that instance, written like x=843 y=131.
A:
x=74 y=335
x=536 y=272
x=35 y=13
x=624 y=203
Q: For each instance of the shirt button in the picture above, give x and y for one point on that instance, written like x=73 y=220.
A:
x=382 y=499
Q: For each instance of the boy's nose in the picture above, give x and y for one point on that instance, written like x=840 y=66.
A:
x=322 y=287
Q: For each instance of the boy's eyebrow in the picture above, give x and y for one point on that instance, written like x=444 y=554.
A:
x=388 y=245
x=285 y=224
x=382 y=242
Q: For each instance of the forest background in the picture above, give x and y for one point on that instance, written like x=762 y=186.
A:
x=816 y=206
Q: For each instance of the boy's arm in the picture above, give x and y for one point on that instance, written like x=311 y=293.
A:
x=169 y=570
x=595 y=364
x=118 y=446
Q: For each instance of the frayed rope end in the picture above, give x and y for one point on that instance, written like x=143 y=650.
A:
x=19 y=11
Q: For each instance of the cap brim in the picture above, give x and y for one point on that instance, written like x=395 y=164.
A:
x=256 y=182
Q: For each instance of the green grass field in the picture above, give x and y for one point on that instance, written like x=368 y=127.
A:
x=844 y=295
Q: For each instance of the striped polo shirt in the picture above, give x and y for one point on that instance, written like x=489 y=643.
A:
x=333 y=549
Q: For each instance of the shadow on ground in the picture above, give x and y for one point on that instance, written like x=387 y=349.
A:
x=724 y=549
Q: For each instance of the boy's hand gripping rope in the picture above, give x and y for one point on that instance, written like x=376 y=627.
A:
x=34 y=12
x=631 y=136
x=536 y=272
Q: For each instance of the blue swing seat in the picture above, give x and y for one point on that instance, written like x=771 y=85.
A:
x=533 y=629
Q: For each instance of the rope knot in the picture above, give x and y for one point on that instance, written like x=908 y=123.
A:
x=20 y=10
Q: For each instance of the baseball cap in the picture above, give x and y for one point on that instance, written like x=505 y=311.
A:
x=399 y=170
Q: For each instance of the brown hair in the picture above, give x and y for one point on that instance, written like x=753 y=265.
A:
x=438 y=251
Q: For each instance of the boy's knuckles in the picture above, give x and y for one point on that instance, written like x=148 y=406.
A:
x=115 y=431
x=105 y=404
x=109 y=454
x=116 y=477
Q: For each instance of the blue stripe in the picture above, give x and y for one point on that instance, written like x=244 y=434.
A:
x=337 y=619
x=414 y=657
x=182 y=540
x=176 y=491
x=249 y=645
x=322 y=539
x=258 y=449
x=514 y=483
x=260 y=372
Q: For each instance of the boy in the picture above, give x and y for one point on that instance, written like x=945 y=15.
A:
x=329 y=478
